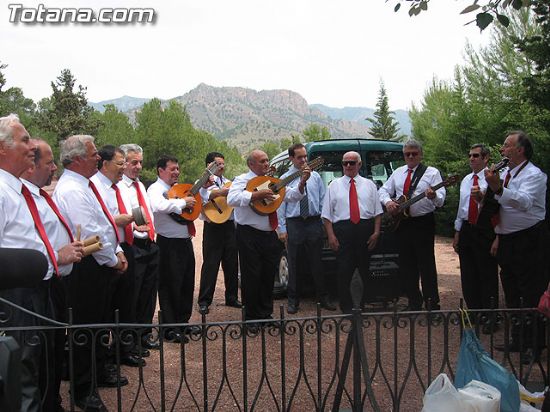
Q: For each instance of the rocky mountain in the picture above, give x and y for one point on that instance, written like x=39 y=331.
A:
x=124 y=103
x=248 y=117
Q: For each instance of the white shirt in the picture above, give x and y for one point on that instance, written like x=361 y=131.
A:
x=239 y=198
x=205 y=194
x=315 y=189
x=394 y=188
x=108 y=194
x=129 y=197
x=336 y=204
x=465 y=190
x=17 y=228
x=79 y=206
x=57 y=234
x=162 y=207
x=523 y=202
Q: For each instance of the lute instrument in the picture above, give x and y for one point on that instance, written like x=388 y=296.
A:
x=391 y=221
x=489 y=206
x=182 y=190
x=277 y=186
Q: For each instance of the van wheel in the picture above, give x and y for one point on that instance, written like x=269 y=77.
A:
x=281 y=279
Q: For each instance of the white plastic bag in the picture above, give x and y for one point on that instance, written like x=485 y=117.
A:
x=481 y=396
x=442 y=396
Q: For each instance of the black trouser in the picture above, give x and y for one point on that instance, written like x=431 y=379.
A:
x=34 y=345
x=146 y=257
x=306 y=233
x=259 y=254
x=176 y=279
x=522 y=257
x=478 y=269
x=417 y=260
x=353 y=253
x=219 y=244
x=58 y=293
x=90 y=295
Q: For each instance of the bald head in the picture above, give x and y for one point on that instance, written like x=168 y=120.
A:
x=258 y=162
x=351 y=163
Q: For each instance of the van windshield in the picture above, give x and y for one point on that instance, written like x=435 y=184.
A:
x=378 y=166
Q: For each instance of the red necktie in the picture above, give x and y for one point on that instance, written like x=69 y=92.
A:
x=353 y=203
x=507 y=179
x=143 y=204
x=407 y=184
x=273 y=221
x=128 y=234
x=39 y=226
x=472 y=207
x=104 y=208
x=58 y=214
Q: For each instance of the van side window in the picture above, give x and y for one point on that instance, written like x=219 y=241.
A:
x=381 y=164
x=282 y=167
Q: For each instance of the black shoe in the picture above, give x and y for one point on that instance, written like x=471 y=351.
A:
x=133 y=361
x=140 y=352
x=326 y=304
x=512 y=347
x=90 y=403
x=292 y=309
x=110 y=381
x=174 y=337
x=150 y=345
x=192 y=330
x=529 y=356
x=234 y=303
x=204 y=310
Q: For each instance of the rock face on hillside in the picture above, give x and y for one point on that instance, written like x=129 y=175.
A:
x=245 y=116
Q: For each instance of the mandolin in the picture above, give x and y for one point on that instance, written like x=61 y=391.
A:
x=277 y=186
x=391 y=221
x=489 y=206
x=181 y=190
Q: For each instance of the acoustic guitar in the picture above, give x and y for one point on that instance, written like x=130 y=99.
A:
x=489 y=206
x=217 y=209
x=181 y=190
x=391 y=221
x=278 y=187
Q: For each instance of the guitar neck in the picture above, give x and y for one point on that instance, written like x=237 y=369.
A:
x=419 y=197
x=314 y=164
x=199 y=183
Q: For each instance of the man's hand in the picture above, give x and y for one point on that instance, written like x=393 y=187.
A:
x=392 y=207
x=455 y=241
x=142 y=228
x=493 y=178
x=283 y=237
x=333 y=242
x=494 y=247
x=430 y=193
x=373 y=240
x=476 y=194
x=189 y=201
x=210 y=182
x=306 y=173
x=70 y=253
x=264 y=194
x=122 y=264
x=123 y=219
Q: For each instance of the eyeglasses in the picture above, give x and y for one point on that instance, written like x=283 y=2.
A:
x=410 y=154
x=349 y=162
x=474 y=155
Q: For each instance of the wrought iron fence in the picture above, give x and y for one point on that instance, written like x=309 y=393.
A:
x=363 y=361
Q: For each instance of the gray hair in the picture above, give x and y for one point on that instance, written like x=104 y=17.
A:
x=131 y=147
x=74 y=146
x=6 y=129
x=413 y=144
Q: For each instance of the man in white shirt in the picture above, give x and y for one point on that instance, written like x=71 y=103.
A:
x=67 y=250
x=300 y=225
x=81 y=204
x=257 y=241
x=521 y=245
x=352 y=217
x=416 y=234
x=219 y=244
x=478 y=268
x=177 y=259
x=146 y=251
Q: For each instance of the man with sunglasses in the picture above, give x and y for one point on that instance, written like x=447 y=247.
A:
x=416 y=234
x=352 y=217
x=472 y=242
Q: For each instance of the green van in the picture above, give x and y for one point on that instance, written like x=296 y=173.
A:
x=379 y=159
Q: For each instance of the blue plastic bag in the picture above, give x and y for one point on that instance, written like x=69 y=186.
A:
x=475 y=363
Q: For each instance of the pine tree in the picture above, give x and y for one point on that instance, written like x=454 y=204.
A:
x=383 y=125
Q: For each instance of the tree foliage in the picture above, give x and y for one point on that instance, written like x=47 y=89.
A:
x=316 y=132
x=383 y=125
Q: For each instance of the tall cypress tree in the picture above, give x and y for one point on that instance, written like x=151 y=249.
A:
x=383 y=125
